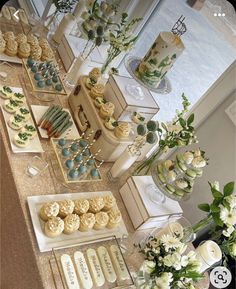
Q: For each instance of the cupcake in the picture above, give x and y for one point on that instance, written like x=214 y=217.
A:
x=71 y=223
x=32 y=40
x=81 y=206
x=96 y=204
x=122 y=130
x=21 y=38
x=36 y=52
x=87 y=222
x=93 y=77
x=54 y=227
x=99 y=101
x=114 y=218
x=97 y=91
x=107 y=109
x=66 y=207
x=109 y=202
x=43 y=43
x=49 y=210
x=47 y=54
x=9 y=35
x=11 y=47
x=2 y=44
x=24 y=50
x=101 y=220
x=110 y=123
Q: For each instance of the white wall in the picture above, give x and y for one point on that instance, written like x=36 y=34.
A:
x=217 y=136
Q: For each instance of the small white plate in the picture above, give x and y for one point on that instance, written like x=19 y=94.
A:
x=46 y=244
x=34 y=144
x=39 y=110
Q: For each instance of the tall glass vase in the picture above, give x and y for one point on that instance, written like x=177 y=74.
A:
x=202 y=224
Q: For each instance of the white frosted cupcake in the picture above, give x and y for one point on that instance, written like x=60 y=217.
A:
x=49 y=210
x=66 y=207
x=71 y=223
x=81 y=206
x=87 y=222
x=54 y=227
x=96 y=204
x=114 y=218
x=109 y=202
x=101 y=220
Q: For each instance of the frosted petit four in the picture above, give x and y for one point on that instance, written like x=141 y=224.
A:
x=95 y=267
x=16 y=122
x=81 y=206
x=107 y=265
x=110 y=123
x=123 y=130
x=118 y=263
x=6 y=92
x=49 y=210
x=66 y=207
x=71 y=223
x=101 y=220
x=99 y=101
x=114 y=218
x=54 y=227
x=83 y=270
x=21 y=140
x=96 y=204
x=87 y=222
x=109 y=202
x=106 y=109
x=11 y=105
x=69 y=272
x=97 y=91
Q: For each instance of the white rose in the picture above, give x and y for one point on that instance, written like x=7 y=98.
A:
x=184 y=261
x=148 y=266
x=198 y=162
x=188 y=157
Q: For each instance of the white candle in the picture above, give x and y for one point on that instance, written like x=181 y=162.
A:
x=64 y=27
x=123 y=163
x=208 y=253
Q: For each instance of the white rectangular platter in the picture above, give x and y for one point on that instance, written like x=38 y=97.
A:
x=34 y=145
x=39 y=110
x=47 y=244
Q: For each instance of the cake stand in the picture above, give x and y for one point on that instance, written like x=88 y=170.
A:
x=131 y=64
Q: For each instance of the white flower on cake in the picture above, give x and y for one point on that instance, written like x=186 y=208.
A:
x=228 y=231
x=228 y=217
x=170 y=242
x=188 y=157
x=199 y=162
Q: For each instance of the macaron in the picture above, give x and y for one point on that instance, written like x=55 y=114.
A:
x=191 y=174
x=182 y=167
x=78 y=158
x=65 y=152
x=73 y=173
x=62 y=142
x=170 y=189
x=179 y=193
x=161 y=178
x=180 y=158
x=94 y=173
x=69 y=164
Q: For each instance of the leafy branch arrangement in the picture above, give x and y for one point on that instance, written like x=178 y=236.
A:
x=179 y=132
x=222 y=215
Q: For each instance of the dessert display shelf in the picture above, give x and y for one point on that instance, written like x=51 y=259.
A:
x=47 y=89
x=34 y=145
x=69 y=159
x=132 y=63
x=46 y=244
x=111 y=268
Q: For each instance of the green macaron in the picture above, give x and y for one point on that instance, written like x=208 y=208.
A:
x=180 y=158
x=179 y=193
x=191 y=174
x=170 y=189
x=161 y=178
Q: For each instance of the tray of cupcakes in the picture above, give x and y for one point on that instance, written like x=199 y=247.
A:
x=44 y=76
x=90 y=266
x=19 y=123
x=65 y=219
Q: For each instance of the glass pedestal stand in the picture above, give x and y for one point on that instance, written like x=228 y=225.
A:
x=155 y=194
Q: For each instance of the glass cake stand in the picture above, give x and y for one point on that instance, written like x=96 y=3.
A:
x=132 y=62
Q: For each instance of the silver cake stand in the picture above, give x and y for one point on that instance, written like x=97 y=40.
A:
x=131 y=64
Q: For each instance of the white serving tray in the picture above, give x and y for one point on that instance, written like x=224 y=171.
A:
x=39 y=110
x=34 y=145
x=47 y=244
x=12 y=59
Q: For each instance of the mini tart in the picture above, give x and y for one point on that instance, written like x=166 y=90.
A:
x=6 y=92
x=35 y=52
x=122 y=130
x=11 y=48
x=87 y=222
x=32 y=40
x=96 y=204
x=114 y=218
x=106 y=109
x=137 y=118
x=21 y=38
x=30 y=130
x=21 y=140
x=6 y=12
x=54 y=227
x=24 y=50
x=81 y=206
x=101 y=220
x=66 y=207
x=9 y=35
x=71 y=223
x=24 y=112
x=11 y=105
x=16 y=122
x=99 y=101
x=110 y=123
x=49 y=210
x=2 y=44
x=109 y=202
x=97 y=91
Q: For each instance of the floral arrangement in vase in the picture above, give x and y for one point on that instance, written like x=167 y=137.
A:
x=166 y=266
x=176 y=178
x=120 y=39
x=179 y=132
x=221 y=214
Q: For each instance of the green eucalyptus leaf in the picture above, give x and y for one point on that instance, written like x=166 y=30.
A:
x=204 y=207
x=214 y=208
x=190 y=119
x=216 y=194
x=182 y=122
x=228 y=189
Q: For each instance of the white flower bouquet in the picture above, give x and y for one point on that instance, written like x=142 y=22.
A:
x=166 y=266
